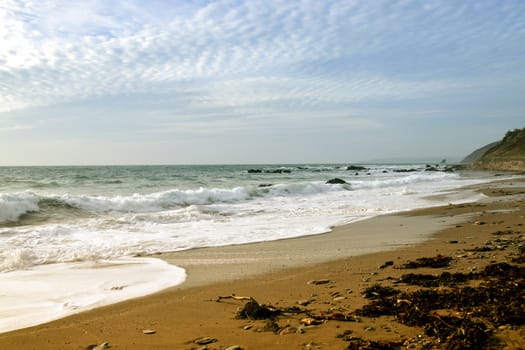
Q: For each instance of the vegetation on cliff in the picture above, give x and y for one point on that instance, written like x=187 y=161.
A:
x=508 y=154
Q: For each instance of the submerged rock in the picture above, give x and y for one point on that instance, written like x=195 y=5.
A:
x=336 y=181
x=356 y=167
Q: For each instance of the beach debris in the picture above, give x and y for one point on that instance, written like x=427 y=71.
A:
x=148 y=331
x=205 y=340
x=254 y=311
x=289 y=330
x=426 y=280
x=378 y=291
x=501 y=233
x=271 y=325
x=232 y=296
x=310 y=321
x=356 y=343
x=319 y=281
x=117 y=288
x=345 y=335
x=304 y=302
x=102 y=346
x=233 y=347
x=434 y=262
x=457 y=318
x=386 y=263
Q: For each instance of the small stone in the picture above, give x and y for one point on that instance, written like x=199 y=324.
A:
x=247 y=327
x=148 y=331
x=309 y=321
x=234 y=347
x=304 y=302
x=288 y=330
x=453 y=241
x=387 y=263
x=102 y=346
x=205 y=340
x=320 y=281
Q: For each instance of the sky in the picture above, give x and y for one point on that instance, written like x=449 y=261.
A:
x=257 y=81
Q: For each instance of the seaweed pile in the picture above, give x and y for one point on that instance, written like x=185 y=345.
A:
x=435 y=262
x=459 y=317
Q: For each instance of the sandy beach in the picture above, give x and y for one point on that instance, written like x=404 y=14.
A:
x=278 y=273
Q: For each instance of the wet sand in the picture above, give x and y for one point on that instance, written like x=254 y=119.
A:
x=277 y=273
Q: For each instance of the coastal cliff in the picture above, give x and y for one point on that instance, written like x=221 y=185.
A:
x=507 y=154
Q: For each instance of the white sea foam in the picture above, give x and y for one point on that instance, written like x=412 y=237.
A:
x=49 y=292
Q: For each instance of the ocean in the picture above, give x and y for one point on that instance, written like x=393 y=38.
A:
x=73 y=238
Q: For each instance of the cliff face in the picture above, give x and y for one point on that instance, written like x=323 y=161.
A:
x=477 y=154
x=508 y=154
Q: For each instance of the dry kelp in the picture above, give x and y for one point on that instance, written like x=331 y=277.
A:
x=500 y=270
x=356 y=343
x=427 y=280
x=435 y=262
x=254 y=311
x=497 y=301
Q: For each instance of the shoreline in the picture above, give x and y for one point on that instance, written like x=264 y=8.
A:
x=210 y=265
x=184 y=312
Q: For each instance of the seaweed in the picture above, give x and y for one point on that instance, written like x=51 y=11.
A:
x=435 y=262
x=356 y=343
x=378 y=291
x=427 y=280
x=254 y=311
x=496 y=301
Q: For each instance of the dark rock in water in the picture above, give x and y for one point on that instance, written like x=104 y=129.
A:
x=355 y=167
x=336 y=181
x=405 y=170
x=278 y=171
x=431 y=168
x=265 y=185
x=254 y=171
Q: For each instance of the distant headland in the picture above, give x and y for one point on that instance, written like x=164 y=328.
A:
x=507 y=154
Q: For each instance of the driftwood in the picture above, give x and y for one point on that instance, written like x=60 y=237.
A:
x=234 y=297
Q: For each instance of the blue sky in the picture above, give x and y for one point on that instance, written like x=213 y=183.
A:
x=256 y=81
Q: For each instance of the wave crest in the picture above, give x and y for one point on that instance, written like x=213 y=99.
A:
x=14 y=205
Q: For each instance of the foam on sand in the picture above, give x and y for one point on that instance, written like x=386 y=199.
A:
x=49 y=292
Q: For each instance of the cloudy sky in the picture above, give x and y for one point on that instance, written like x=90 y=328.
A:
x=256 y=81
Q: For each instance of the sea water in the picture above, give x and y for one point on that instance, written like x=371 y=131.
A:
x=73 y=238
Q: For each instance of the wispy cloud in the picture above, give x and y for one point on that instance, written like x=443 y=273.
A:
x=56 y=51
x=233 y=59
